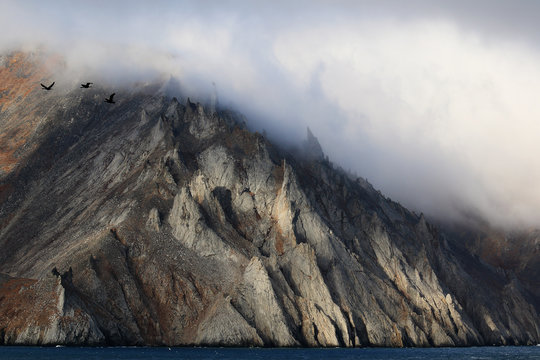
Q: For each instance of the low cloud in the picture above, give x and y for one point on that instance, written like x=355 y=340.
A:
x=434 y=103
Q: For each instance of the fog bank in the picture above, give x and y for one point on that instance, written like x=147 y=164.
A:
x=435 y=103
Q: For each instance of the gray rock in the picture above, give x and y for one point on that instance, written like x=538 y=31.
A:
x=183 y=228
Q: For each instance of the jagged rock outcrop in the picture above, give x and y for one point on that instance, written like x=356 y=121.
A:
x=40 y=312
x=167 y=223
x=312 y=149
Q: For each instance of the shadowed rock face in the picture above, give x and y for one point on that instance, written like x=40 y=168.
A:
x=169 y=223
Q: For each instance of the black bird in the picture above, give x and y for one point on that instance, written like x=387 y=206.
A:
x=47 y=87
x=110 y=99
x=86 y=86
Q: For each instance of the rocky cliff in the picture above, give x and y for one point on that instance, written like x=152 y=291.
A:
x=161 y=221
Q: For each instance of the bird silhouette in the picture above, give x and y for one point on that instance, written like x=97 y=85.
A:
x=47 y=87
x=86 y=86
x=110 y=99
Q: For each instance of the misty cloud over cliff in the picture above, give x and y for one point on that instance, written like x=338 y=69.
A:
x=434 y=103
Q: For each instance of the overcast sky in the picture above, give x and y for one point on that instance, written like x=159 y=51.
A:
x=434 y=102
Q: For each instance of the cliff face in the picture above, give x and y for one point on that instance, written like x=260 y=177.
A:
x=157 y=221
x=514 y=254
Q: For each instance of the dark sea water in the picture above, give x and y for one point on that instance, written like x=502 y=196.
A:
x=60 y=353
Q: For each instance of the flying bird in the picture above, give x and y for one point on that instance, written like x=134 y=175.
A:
x=47 y=87
x=110 y=99
x=86 y=86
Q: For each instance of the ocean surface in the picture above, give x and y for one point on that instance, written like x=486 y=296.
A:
x=60 y=353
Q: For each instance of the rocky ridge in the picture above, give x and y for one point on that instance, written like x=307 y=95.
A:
x=164 y=222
